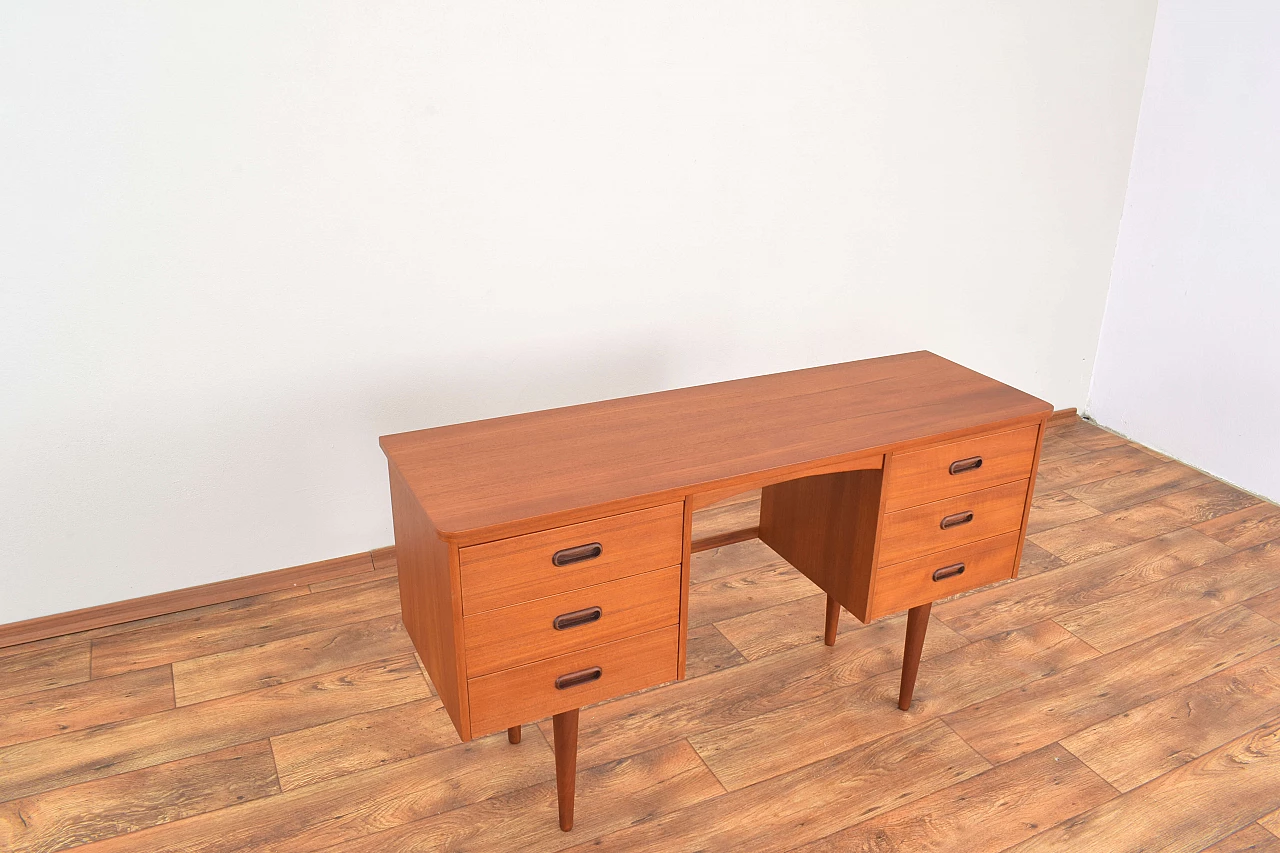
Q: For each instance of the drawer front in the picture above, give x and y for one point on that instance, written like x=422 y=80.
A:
x=911 y=533
x=935 y=473
x=558 y=624
x=529 y=692
x=522 y=568
x=944 y=574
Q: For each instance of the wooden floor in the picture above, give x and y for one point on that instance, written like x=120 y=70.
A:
x=1123 y=695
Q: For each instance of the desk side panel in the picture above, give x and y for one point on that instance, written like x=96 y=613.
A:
x=431 y=600
x=826 y=527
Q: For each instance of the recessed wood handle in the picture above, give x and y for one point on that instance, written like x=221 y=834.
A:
x=577 y=554
x=576 y=618
x=956 y=519
x=973 y=463
x=948 y=572
x=582 y=676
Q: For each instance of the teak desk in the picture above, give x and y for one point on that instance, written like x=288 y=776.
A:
x=544 y=557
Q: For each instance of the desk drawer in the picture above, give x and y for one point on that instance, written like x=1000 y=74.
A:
x=936 y=526
x=558 y=624
x=944 y=574
x=923 y=476
x=530 y=692
x=522 y=568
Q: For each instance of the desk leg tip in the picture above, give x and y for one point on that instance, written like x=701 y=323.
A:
x=564 y=730
x=513 y=734
x=917 y=624
x=833 y=621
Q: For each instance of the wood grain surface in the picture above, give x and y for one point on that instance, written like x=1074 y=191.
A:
x=489 y=479
x=302 y=721
x=924 y=476
x=526 y=632
x=914 y=532
x=922 y=580
x=825 y=526
x=516 y=695
x=509 y=571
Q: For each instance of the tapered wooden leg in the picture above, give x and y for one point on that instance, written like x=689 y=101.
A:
x=833 y=621
x=565 y=731
x=513 y=734
x=917 y=623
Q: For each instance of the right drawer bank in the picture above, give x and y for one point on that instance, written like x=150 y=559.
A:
x=952 y=518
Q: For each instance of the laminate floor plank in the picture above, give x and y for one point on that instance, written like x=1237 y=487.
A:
x=1209 y=501
x=34 y=716
x=982 y=814
x=75 y=757
x=1144 y=742
x=737 y=513
x=268 y=664
x=770 y=630
x=1266 y=604
x=1271 y=822
x=806 y=731
x=1135 y=487
x=801 y=622
x=318 y=816
x=813 y=801
x=1036 y=560
x=1134 y=615
x=115 y=805
x=1075 y=585
x=1056 y=446
x=709 y=651
x=1092 y=536
x=732 y=559
x=638 y=788
x=745 y=591
x=1025 y=718
x=1244 y=528
x=28 y=670
x=1054 y=509
x=1098 y=464
x=1185 y=810
x=362 y=741
x=1252 y=839
x=226 y=630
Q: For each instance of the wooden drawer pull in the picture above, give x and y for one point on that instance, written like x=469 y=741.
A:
x=576 y=618
x=582 y=676
x=956 y=519
x=949 y=572
x=576 y=554
x=973 y=463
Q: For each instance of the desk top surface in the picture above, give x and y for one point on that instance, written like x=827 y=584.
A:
x=486 y=476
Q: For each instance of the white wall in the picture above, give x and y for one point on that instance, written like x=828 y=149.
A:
x=1189 y=358
x=238 y=241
